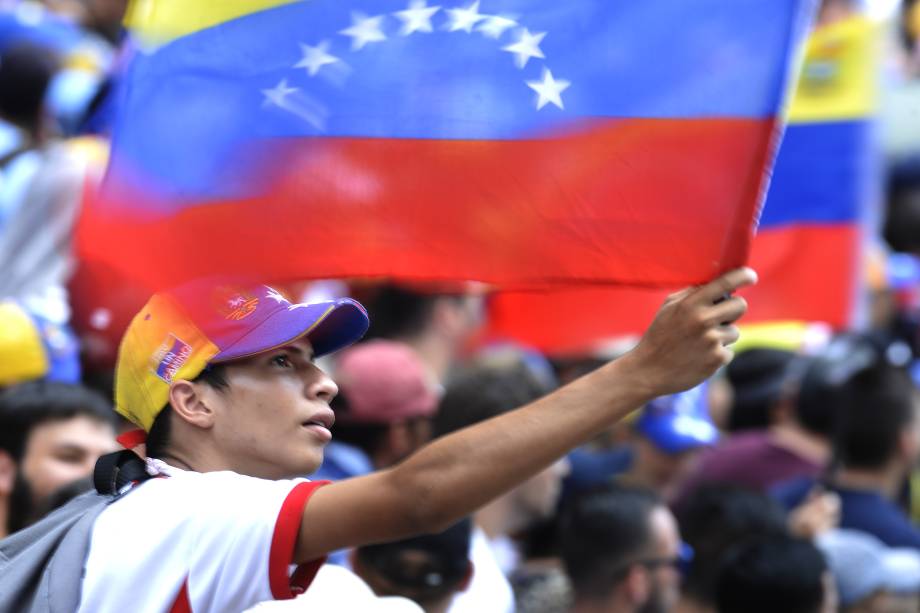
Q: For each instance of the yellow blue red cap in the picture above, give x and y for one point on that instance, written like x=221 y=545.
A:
x=179 y=332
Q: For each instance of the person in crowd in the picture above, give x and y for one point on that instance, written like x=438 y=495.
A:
x=670 y=433
x=775 y=573
x=876 y=446
x=871 y=577
x=226 y=389
x=33 y=347
x=714 y=519
x=622 y=551
x=50 y=435
x=383 y=410
x=757 y=377
x=797 y=443
x=435 y=325
x=428 y=569
x=476 y=395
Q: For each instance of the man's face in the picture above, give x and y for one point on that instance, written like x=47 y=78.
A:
x=273 y=421
x=665 y=578
x=537 y=497
x=61 y=451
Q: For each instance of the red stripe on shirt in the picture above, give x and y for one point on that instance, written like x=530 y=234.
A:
x=182 y=603
x=284 y=540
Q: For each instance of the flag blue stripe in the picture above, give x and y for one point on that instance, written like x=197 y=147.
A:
x=822 y=174
x=204 y=95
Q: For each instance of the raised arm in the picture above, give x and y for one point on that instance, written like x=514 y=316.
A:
x=455 y=475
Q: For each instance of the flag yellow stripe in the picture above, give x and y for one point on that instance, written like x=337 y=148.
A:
x=838 y=79
x=156 y=22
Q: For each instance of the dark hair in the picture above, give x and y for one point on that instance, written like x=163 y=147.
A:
x=25 y=72
x=398 y=312
x=424 y=568
x=603 y=532
x=483 y=392
x=715 y=517
x=878 y=404
x=27 y=405
x=769 y=574
x=214 y=375
x=367 y=437
x=757 y=377
x=902 y=222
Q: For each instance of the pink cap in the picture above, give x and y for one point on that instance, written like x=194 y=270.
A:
x=383 y=382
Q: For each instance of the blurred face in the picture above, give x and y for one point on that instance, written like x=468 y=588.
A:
x=273 y=421
x=664 y=576
x=59 y=452
x=537 y=497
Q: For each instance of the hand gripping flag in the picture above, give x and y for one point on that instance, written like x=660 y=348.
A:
x=519 y=143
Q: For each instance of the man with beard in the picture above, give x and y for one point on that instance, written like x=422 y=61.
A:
x=51 y=434
x=622 y=549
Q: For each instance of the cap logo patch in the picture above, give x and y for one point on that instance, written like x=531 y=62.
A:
x=169 y=358
x=235 y=304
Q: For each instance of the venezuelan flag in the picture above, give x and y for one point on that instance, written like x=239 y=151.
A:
x=523 y=143
x=808 y=247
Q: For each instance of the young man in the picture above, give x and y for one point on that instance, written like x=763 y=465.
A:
x=50 y=435
x=248 y=409
x=621 y=549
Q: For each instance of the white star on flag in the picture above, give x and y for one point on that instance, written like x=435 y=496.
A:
x=464 y=19
x=549 y=89
x=364 y=30
x=526 y=47
x=495 y=25
x=315 y=58
x=416 y=18
x=278 y=95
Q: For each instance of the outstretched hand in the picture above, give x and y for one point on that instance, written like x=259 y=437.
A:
x=690 y=336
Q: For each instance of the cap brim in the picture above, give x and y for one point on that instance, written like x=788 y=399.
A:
x=329 y=326
x=676 y=434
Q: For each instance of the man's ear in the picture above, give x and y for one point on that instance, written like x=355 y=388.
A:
x=192 y=402
x=637 y=584
x=7 y=473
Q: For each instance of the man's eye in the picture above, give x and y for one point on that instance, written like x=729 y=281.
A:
x=282 y=360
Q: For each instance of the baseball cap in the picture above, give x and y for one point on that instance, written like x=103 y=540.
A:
x=679 y=422
x=33 y=346
x=180 y=331
x=382 y=382
x=862 y=565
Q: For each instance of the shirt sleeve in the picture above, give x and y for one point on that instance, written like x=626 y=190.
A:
x=245 y=534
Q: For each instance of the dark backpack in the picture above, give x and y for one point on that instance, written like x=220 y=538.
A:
x=41 y=567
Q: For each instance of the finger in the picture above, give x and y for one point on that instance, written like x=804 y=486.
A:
x=727 y=311
x=729 y=335
x=726 y=284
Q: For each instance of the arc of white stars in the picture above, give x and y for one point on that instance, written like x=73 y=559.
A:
x=417 y=17
x=315 y=58
x=464 y=19
x=364 y=30
x=494 y=26
x=526 y=47
x=278 y=95
x=549 y=89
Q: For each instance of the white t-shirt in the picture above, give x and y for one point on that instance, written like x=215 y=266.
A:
x=489 y=589
x=338 y=589
x=203 y=542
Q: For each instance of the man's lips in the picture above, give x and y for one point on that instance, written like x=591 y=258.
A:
x=323 y=418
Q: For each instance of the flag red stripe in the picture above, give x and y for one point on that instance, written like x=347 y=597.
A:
x=644 y=201
x=806 y=273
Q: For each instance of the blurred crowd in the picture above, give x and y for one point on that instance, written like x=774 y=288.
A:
x=788 y=482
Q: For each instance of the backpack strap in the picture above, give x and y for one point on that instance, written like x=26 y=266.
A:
x=116 y=470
